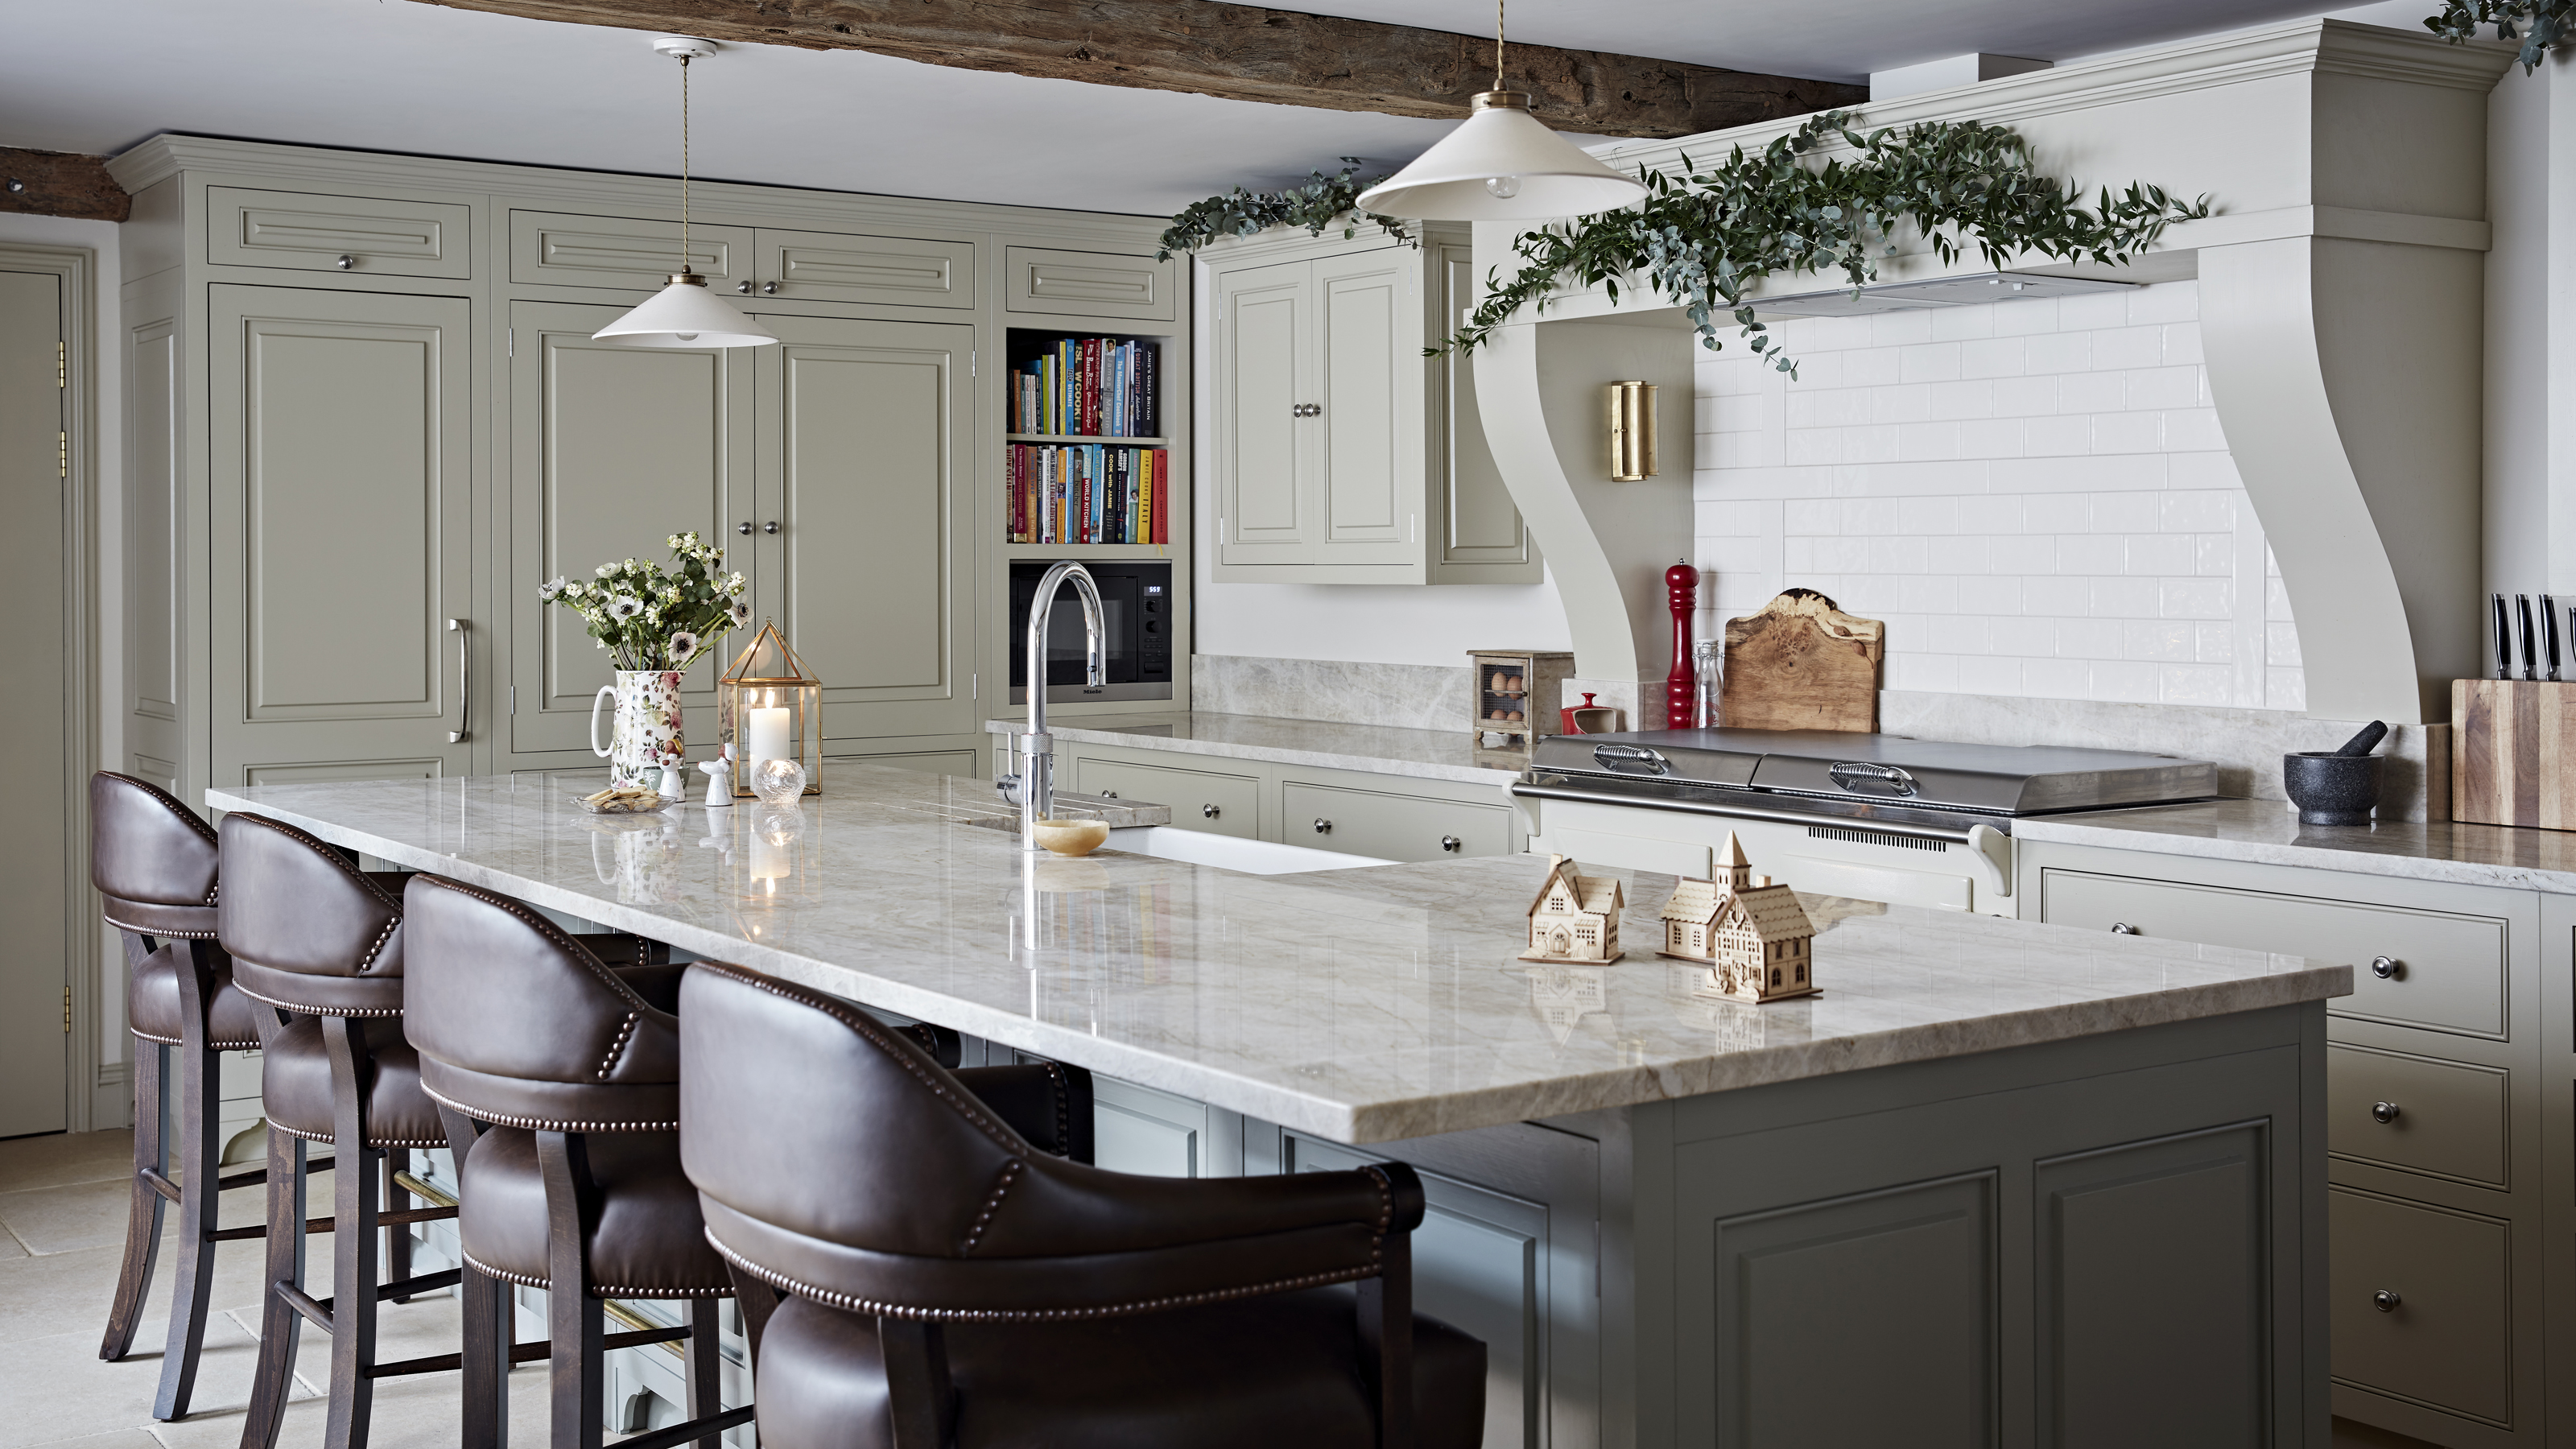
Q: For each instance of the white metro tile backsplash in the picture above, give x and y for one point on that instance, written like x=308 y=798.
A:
x=2035 y=496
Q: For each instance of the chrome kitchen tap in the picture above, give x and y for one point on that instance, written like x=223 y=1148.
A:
x=1033 y=787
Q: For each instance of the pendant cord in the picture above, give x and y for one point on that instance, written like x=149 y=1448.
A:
x=1498 y=44
x=684 y=164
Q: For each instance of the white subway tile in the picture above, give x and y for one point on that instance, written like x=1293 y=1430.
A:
x=2058 y=513
x=1810 y=515
x=1827 y=407
x=2125 y=347
x=1953 y=400
x=2182 y=344
x=2093 y=310
x=2023 y=636
x=1899 y=329
x=1932 y=673
x=2271 y=563
x=2281 y=645
x=2128 y=432
x=1957 y=324
x=1905 y=403
x=2022 y=553
x=2194 y=598
x=2193 y=430
x=1841 y=555
x=2101 y=471
x=1868 y=515
x=2206 y=470
x=1870 y=367
x=1892 y=555
x=2216 y=552
x=1892 y=479
x=2059 y=436
x=1927 y=593
x=1927 y=515
x=2195 y=684
x=1813 y=445
x=2093 y=392
x=2165 y=302
x=2020 y=319
x=1797 y=555
x=2064 y=597
x=1910 y=633
x=1952 y=553
x=2195 y=511
x=1871 y=443
x=2163 y=554
x=2214 y=643
x=1927 y=442
x=1746 y=450
x=2024 y=396
x=2162 y=640
x=2125 y=683
x=1993 y=357
x=2060 y=352
x=1986 y=674
x=1997 y=596
x=2092 y=553
x=1737 y=518
x=1739 y=555
x=2285 y=689
x=1929 y=362
x=2163 y=387
x=2124 y=598
x=1989 y=514
x=1828 y=334
x=2276 y=600
x=1959 y=634
x=2056 y=678
x=2124 y=512
x=1815 y=369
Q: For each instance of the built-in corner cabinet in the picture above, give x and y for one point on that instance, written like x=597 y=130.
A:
x=1342 y=453
x=366 y=420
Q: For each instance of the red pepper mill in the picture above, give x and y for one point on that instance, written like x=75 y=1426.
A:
x=1683 y=582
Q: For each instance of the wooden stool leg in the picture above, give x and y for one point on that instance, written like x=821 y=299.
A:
x=397 y=1238
x=576 y=1375
x=487 y=1329
x=201 y=1164
x=280 y=1326
x=706 y=1365
x=353 y=1248
x=143 y=1211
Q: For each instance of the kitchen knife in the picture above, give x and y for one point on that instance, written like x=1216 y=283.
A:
x=2503 y=641
x=2549 y=633
x=2530 y=641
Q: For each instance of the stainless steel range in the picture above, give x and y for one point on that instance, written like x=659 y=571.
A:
x=1879 y=817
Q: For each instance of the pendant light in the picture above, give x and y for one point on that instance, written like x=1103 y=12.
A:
x=1501 y=164
x=685 y=313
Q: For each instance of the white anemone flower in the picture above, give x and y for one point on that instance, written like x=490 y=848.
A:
x=604 y=570
x=684 y=646
x=551 y=588
x=739 y=612
x=624 y=607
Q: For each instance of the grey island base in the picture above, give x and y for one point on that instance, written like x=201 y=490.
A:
x=2001 y=1183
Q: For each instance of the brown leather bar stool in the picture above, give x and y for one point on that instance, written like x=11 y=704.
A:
x=316 y=938
x=559 y=1078
x=949 y=1283
x=156 y=865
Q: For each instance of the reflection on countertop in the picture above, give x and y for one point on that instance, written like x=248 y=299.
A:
x=1318 y=744
x=2268 y=832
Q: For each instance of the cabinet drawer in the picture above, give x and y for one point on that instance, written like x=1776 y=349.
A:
x=1088 y=284
x=2449 y=970
x=247 y=228
x=1226 y=804
x=2447 y=1341
x=814 y=266
x=2449 y=1119
x=1391 y=827
x=623 y=252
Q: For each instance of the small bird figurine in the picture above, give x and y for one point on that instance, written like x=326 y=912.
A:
x=719 y=773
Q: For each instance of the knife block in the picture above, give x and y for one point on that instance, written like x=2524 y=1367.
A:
x=2513 y=752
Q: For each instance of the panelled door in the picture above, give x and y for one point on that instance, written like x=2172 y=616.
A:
x=1366 y=318
x=866 y=448
x=341 y=470
x=612 y=450
x=1264 y=452
x=34 y=981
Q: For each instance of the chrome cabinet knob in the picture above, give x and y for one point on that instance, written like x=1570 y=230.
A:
x=769 y=289
x=1108 y=794
x=2383 y=1112
x=344 y=261
x=1306 y=410
x=743 y=527
x=2387 y=968
x=770 y=527
x=2123 y=928
x=743 y=286
x=2386 y=1300
x=1209 y=812
x=1450 y=843
x=1323 y=826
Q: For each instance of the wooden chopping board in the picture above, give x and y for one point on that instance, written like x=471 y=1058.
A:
x=1802 y=664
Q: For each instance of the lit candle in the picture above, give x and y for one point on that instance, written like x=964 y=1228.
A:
x=768 y=736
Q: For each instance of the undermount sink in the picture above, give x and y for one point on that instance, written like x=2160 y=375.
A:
x=1227 y=852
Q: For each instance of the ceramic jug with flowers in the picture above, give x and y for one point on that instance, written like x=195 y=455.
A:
x=654 y=622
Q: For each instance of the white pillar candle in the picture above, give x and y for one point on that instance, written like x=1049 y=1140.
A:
x=768 y=736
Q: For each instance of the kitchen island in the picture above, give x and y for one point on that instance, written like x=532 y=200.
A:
x=2000 y=1182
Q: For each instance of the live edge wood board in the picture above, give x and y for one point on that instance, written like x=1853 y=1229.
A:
x=1800 y=663
x=2513 y=752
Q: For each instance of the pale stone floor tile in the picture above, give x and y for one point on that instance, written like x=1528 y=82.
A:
x=67 y=1217
x=56 y=1387
x=112 y=1439
x=59 y=1158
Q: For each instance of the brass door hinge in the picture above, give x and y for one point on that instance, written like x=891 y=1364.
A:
x=62 y=365
x=67 y=1011
x=62 y=455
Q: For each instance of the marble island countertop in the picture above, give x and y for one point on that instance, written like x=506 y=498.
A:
x=2268 y=832
x=1323 y=744
x=1361 y=1005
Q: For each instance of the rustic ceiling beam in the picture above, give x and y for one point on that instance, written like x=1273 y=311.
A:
x=1237 y=52
x=58 y=183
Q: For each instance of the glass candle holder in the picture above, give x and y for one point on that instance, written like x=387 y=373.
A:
x=780 y=784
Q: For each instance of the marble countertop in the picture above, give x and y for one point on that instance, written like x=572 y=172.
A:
x=2268 y=832
x=1361 y=1005
x=1324 y=744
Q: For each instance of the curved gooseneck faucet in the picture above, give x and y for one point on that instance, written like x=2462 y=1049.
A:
x=1034 y=786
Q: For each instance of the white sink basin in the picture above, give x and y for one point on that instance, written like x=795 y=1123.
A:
x=1227 y=852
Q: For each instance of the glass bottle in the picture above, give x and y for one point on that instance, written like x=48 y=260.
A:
x=1705 y=667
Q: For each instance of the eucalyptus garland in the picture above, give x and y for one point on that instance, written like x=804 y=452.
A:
x=2541 y=25
x=1705 y=238
x=1321 y=202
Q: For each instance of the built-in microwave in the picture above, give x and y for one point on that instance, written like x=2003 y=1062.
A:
x=1136 y=610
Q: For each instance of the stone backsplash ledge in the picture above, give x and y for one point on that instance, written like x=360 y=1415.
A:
x=2246 y=744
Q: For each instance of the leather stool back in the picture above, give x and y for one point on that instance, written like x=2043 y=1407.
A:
x=318 y=936
x=152 y=859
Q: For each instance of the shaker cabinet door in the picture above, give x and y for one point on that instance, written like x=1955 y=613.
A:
x=1367 y=352
x=611 y=450
x=341 y=436
x=866 y=449
x=1265 y=462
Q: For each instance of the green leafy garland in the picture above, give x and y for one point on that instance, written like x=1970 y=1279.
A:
x=2541 y=25
x=1702 y=240
x=1321 y=202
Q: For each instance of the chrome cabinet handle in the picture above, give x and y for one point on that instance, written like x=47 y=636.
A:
x=770 y=527
x=2383 y=1112
x=1209 y=812
x=464 y=680
x=345 y=262
x=2386 y=1300
x=1450 y=843
x=743 y=528
x=1323 y=826
x=2387 y=968
x=743 y=286
x=769 y=289
x=2123 y=928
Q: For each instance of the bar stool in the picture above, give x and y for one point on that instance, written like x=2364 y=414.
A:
x=156 y=865
x=314 y=937
x=559 y=1079
x=948 y=1283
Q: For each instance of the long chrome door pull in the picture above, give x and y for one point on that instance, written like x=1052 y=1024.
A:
x=464 y=681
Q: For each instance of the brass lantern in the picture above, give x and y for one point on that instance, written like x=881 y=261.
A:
x=1632 y=432
x=769 y=706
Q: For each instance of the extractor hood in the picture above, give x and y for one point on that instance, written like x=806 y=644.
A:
x=1934 y=292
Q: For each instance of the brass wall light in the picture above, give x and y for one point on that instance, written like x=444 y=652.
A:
x=1632 y=432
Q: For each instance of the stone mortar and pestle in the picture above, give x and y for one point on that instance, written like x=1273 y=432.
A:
x=2336 y=787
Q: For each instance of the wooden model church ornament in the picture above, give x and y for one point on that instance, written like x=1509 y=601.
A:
x=1575 y=917
x=1753 y=935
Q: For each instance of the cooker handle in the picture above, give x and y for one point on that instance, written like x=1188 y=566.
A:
x=1993 y=850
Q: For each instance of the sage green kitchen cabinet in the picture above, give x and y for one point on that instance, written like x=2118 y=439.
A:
x=1343 y=454
x=341 y=427
x=1387 y=817
x=1217 y=802
x=1390 y=826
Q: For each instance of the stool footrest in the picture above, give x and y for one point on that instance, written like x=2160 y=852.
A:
x=160 y=1184
x=258 y=1176
x=678 y=1434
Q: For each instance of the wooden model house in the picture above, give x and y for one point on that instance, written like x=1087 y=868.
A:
x=1575 y=917
x=1690 y=917
x=1753 y=934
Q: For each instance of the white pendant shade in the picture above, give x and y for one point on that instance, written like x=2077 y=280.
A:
x=1501 y=164
x=685 y=314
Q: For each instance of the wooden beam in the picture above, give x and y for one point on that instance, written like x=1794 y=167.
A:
x=58 y=183
x=1237 y=52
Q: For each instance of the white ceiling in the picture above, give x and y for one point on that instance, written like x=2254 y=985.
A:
x=397 y=76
